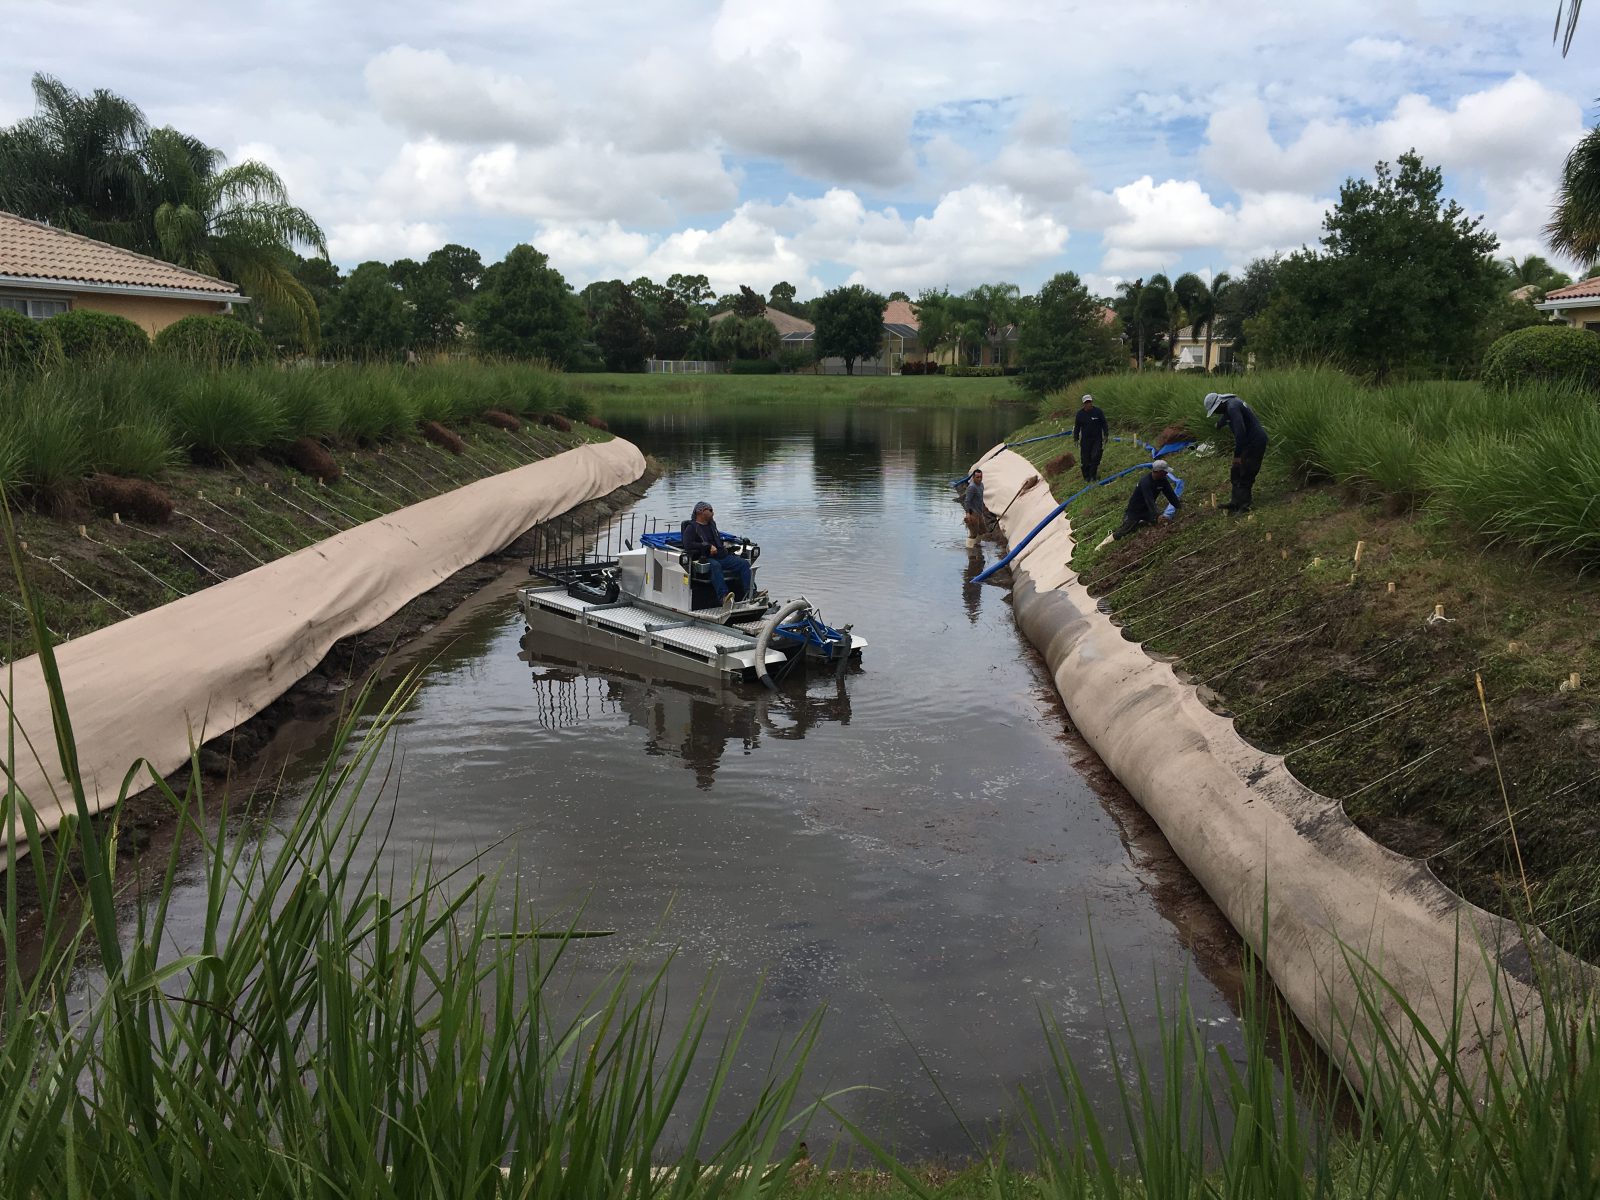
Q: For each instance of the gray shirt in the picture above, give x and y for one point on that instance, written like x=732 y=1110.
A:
x=973 y=500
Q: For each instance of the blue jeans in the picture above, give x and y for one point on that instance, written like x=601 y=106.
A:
x=723 y=565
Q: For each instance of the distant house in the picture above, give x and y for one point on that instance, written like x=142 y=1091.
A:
x=1189 y=351
x=899 y=344
x=45 y=271
x=1577 y=304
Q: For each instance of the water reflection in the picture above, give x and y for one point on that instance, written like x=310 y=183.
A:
x=681 y=716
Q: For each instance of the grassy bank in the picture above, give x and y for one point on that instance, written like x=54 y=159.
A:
x=330 y=1034
x=1476 y=501
x=232 y=469
x=648 y=391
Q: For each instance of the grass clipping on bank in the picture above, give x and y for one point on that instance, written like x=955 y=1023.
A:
x=324 y=1037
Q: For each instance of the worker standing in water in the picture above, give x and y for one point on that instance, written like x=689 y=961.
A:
x=1089 y=431
x=975 y=512
x=1249 y=445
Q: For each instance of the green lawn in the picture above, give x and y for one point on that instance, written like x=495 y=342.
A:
x=611 y=390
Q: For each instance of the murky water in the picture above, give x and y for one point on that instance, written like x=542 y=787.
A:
x=910 y=848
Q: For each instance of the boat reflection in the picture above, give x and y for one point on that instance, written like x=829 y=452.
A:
x=682 y=716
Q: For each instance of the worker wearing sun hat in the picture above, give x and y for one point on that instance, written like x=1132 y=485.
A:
x=1089 y=431
x=1249 y=444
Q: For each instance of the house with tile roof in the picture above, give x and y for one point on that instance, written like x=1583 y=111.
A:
x=1577 y=304
x=45 y=271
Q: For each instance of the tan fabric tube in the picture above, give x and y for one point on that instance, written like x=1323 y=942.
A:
x=1266 y=848
x=156 y=684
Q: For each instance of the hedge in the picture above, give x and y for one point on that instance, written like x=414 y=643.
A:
x=25 y=344
x=1544 y=354
x=89 y=336
x=212 y=342
x=753 y=366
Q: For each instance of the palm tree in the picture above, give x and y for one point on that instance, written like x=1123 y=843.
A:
x=1574 y=228
x=1200 y=303
x=1533 y=271
x=1130 y=307
x=75 y=163
x=1167 y=308
x=933 y=321
x=1567 y=10
x=996 y=308
x=232 y=222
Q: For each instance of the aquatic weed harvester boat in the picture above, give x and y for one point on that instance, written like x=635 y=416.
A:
x=634 y=589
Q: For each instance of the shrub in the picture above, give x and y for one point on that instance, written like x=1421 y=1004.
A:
x=89 y=336
x=226 y=414
x=440 y=436
x=962 y=372
x=212 y=342
x=50 y=441
x=136 y=498
x=311 y=458
x=374 y=406
x=1544 y=354
x=795 y=359
x=26 y=344
x=753 y=366
x=309 y=398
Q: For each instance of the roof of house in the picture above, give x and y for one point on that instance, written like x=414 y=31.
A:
x=900 y=312
x=783 y=322
x=33 y=251
x=1582 y=290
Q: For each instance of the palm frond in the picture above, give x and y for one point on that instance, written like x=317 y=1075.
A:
x=1566 y=12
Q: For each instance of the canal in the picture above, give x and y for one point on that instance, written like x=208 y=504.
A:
x=911 y=848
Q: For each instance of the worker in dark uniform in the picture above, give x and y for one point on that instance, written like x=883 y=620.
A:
x=1150 y=498
x=703 y=542
x=1249 y=444
x=1089 y=431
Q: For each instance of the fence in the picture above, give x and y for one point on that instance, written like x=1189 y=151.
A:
x=683 y=366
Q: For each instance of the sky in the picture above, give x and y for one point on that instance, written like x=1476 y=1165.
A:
x=898 y=144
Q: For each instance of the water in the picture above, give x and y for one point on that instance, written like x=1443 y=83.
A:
x=910 y=848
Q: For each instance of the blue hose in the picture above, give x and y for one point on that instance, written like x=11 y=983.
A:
x=1045 y=437
x=1174 y=448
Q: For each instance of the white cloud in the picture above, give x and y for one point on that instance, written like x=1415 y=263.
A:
x=1381 y=50
x=359 y=241
x=1163 y=221
x=426 y=92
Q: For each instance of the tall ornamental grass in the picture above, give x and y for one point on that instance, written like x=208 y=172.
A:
x=1520 y=466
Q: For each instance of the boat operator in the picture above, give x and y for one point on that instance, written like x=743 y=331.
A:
x=703 y=542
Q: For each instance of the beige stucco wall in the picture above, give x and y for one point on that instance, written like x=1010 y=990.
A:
x=1581 y=317
x=150 y=313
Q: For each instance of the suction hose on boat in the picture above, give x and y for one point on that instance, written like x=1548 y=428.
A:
x=768 y=628
x=1164 y=452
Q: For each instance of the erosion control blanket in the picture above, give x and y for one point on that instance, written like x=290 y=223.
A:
x=156 y=684
x=1271 y=852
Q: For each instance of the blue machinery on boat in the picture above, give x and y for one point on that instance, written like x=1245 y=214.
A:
x=1164 y=452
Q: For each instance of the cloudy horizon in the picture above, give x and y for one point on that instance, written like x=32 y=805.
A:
x=901 y=146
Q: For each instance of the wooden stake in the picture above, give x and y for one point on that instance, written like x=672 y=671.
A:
x=116 y=518
x=1359 y=547
x=1573 y=681
x=1438 y=611
x=1391 y=587
x=236 y=492
x=1283 y=553
x=1269 y=535
x=82 y=532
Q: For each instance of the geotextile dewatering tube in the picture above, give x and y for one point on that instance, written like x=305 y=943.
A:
x=768 y=628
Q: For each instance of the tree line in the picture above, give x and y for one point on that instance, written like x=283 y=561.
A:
x=1402 y=281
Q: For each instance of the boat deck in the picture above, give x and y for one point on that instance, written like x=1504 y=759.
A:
x=720 y=648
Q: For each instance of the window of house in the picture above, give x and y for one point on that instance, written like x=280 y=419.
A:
x=37 y=309
x=1592 y=326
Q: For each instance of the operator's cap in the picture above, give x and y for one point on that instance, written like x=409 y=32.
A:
x=1160 y=467
x=700 y=507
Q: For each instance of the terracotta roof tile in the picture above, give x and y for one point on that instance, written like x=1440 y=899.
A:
x=781 y=321
x=900 y=312
x=1575 y=291
x=34 y=251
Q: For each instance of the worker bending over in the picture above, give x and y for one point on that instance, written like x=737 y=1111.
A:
x=1089 y=431
x=1249 y=444
x=1150 y=498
